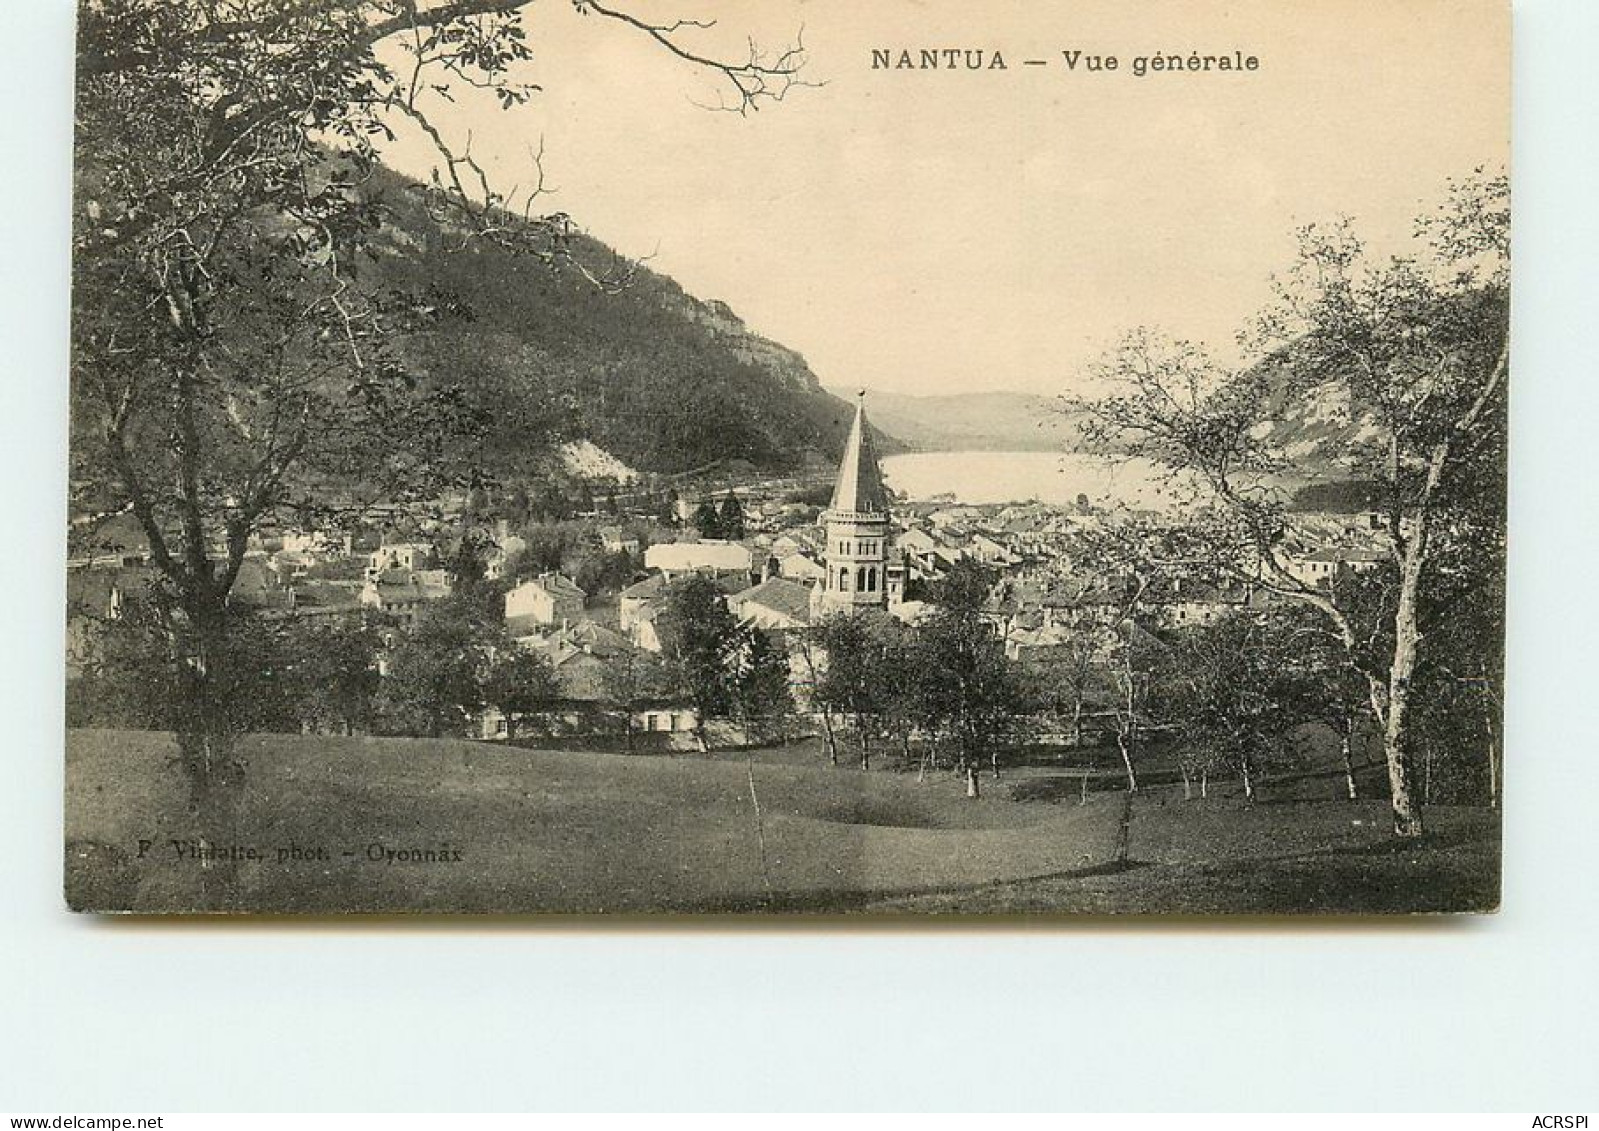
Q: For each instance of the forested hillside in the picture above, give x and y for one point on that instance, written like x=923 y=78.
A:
x=663 y=380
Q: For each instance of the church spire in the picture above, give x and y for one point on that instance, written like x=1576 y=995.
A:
x=859 y=489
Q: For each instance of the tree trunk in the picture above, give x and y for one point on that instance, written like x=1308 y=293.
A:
x=206 y=748
x=866 y=745
x=1127 y=760
x=1407 y=638
x=1082 y=789
x=993 y=762
x=1349 y=762
x=1188 y=782
x=1249 y=783
x=1204 y=784
x=1124 y=830
x=829 y=737
x=972 y=789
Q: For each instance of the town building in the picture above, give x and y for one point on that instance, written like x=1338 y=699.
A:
x=776 y=604
x=614 y=540
x=710 y=557
x=545 y=601
x=863 y=572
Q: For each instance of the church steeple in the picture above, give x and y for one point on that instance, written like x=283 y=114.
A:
x=862 y=573
x=859 y=489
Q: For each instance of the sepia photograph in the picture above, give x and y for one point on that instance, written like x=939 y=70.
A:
x=796 y=458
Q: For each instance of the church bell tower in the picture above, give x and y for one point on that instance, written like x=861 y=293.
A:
x=859 y=575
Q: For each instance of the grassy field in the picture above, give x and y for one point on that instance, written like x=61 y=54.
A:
x=352 y=824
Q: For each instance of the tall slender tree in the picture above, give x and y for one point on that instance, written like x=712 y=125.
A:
x=1412 y=352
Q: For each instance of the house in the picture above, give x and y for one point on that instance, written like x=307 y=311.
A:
x=774 y=604
x=915 y=540
x=1320 y=568
x=637 y=597
x=1047 y=642
x=614 y=540
x=801 y=567
x=954 y=518
x=989 y=550
x=318 y=543
x=642 y=629
x=401 y=593
x=1188 y=602
x=597 y=640
x=258 y=587
x=709 y=556
x=666 y=719
x=584 y=659
x=327 y=599
x=579 y=674
x=804 y=541
x=408 y=556
x=547 y=600
x=498 y=563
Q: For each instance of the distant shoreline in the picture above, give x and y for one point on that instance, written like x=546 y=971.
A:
x=979 y=476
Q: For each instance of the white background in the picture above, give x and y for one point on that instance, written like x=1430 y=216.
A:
x=1490 y=1014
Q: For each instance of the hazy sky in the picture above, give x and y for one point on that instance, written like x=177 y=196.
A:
x=943 y=230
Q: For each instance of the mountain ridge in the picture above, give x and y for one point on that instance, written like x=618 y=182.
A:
x=665 y=381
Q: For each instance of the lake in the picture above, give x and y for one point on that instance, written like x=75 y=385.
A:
x=1049 y=477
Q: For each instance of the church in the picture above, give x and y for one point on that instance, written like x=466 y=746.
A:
x=863 y=569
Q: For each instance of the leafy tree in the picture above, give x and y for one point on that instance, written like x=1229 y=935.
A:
x=1066 y=683
x=899 y=698
x=1414 y=349
x=701 y=642
x=1322 y=679
x=335 y=671
x=856 y=678
x=128 y=674
x=467 y=564
x=597 y=571
x=762 y=700
x=1230 y=701
x=965 y=687
x=666 y=513
x=229 y=351
x=437 y=673
x=730 y=518
x=964 y=588
x=518 y=682
x=808 y=649
x=634 y=681
x=708 y=520
x=125 y=675
x=1132 y=687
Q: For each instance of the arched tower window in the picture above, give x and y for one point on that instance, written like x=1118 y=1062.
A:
x=860 y=579
x=843 y=580
x=871 y=580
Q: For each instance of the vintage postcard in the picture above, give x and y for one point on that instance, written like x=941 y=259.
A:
x=609 y=456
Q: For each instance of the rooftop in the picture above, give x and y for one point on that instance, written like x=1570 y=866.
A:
x=859 y=489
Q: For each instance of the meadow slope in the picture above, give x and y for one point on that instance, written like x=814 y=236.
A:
x=374 y=825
